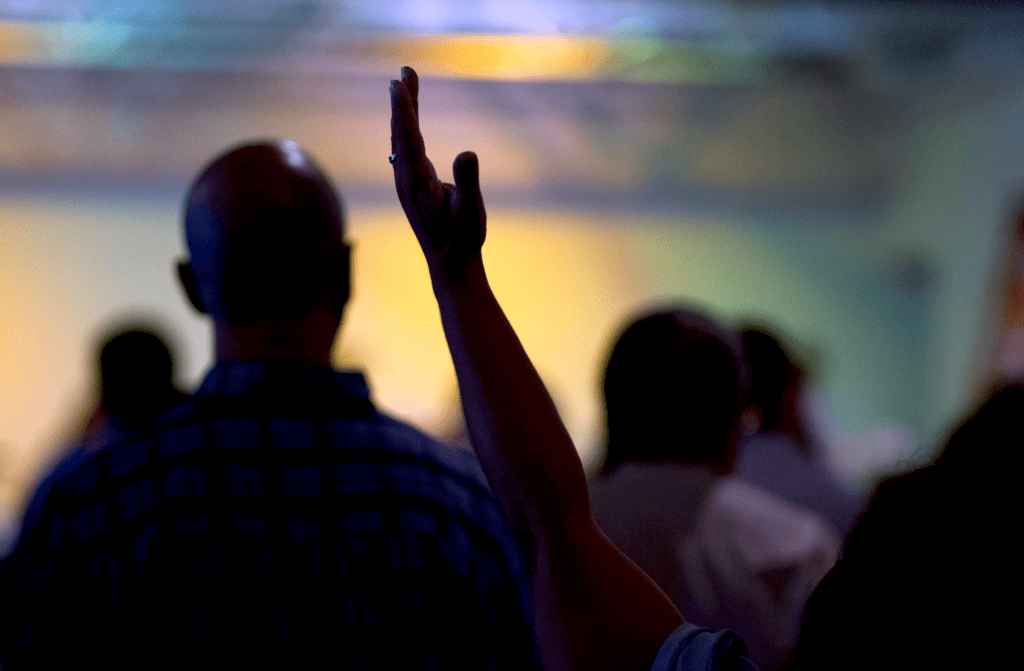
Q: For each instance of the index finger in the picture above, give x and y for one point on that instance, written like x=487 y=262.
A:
x=412 y=82
x=406 y=139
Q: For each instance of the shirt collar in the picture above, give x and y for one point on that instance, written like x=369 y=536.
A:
x=240 y=378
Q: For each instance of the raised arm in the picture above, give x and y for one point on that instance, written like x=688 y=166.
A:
x=595 y=609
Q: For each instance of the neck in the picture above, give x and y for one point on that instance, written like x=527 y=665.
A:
x=306 y=341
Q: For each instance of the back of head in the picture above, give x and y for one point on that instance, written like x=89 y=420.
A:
x=673 y=389
x=137 y=376
x=983 y=446
x=773 y=373
x=264 y=229
x=934 y=544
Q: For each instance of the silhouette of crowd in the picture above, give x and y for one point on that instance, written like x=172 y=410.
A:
x=276 y=518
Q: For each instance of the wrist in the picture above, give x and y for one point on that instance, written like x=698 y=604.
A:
x=464 y=270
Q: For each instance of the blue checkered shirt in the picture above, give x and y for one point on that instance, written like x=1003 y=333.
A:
x=273 y=520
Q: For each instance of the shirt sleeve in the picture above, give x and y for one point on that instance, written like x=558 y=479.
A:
x=38 y=580
x=694 y=648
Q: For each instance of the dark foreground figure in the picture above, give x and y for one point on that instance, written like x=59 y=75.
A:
x=595 y=609
x=929 y=579
x=276 y=519
x=931 y=566
x=730 y=555
x=782 y=457
x=136 y=377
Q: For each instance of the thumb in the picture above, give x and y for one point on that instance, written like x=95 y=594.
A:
x=467 y=201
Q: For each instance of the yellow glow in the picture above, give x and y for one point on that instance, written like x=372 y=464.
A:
x=473 y=56
x=21 y=43
x=500 y=56
x=39 y=373
x=564 y=286
x=566 y=280
x=563 y=58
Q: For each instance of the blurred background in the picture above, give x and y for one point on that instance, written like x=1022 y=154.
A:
x=850 y=172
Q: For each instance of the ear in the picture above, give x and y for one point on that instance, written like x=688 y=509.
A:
x=341 y=279
x=745 y=425
x=750 y=420
x=188 y=282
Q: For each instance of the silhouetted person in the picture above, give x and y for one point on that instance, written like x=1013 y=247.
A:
x=276 y=518
x=730 y=555
x=456 y=431
x=8 y=523
x=780 y=456
x=136 y=380
x=595 y=610
x=136 y=372
x=930 y=577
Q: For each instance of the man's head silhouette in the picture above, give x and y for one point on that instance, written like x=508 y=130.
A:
x=777 y=379
x=268 y=261
x=137 y=375
x=674 y=386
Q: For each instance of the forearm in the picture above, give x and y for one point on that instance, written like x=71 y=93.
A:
x=519 y=438
x=594 y=608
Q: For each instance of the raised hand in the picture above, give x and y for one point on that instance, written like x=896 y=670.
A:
x=594 y=608
x=449 y=219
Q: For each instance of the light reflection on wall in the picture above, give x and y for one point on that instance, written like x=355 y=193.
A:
x=567 y=280
x=564 y=284
x=630 y=51
x=75 y=268
x=70 y=266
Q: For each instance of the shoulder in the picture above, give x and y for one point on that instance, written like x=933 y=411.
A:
x=191 y=450
x=406 y=440
x=773 y=462
x=734 y=497
x=765 y=529
x=416 y=464
x=917 y=513
x=120 y=457
x=388 y=444
x=661 y=493
x=906 y=489
x=653 y=482
x=692 y=647
x=771 y=455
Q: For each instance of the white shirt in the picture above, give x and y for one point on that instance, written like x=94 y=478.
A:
x=771 y=460
x=729 y=554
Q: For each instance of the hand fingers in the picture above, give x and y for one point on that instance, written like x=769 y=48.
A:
x=466 y=199
x=406 y=140
x=466 y=169
x=412 y=82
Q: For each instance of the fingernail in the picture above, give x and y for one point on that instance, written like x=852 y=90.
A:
x=405 y=71
x=394 y=86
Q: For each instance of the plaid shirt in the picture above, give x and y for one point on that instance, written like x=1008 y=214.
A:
x=273 y=520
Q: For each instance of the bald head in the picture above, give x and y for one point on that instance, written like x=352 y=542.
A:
x=264 y=230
